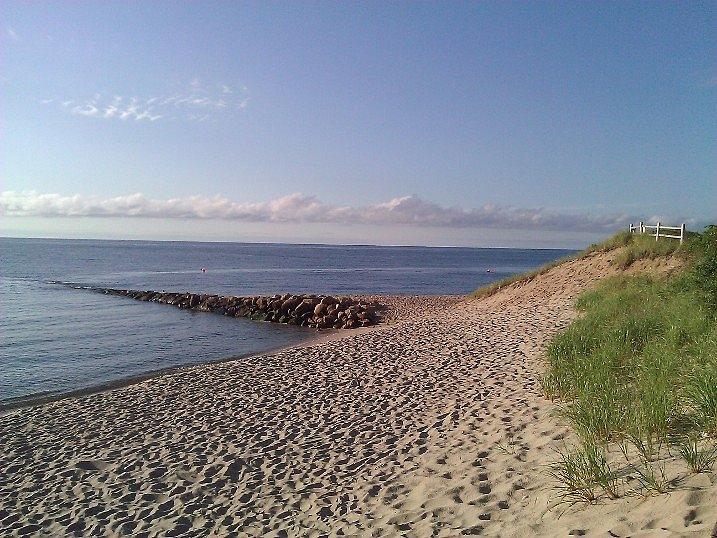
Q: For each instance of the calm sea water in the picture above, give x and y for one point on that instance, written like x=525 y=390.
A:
x=54 y=339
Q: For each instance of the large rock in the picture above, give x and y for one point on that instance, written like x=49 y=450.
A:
x=289 y=304
x=305 y=306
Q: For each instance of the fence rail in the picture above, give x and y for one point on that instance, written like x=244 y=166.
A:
x=658 y=230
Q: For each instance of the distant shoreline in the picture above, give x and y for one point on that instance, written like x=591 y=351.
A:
x=270 y=243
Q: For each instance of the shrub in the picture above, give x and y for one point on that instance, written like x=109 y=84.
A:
x=703 y=272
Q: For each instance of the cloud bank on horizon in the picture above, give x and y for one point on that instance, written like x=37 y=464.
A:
x=300 y=208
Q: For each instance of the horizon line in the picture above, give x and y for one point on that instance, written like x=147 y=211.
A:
x=372 y=245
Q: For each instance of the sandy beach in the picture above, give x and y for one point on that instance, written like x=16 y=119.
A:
x=432 y=425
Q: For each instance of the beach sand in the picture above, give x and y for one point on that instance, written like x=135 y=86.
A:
x=432 y=425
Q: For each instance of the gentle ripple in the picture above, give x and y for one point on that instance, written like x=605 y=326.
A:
x=54 y=339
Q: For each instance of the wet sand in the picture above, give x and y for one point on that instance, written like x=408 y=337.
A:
x=398 y=308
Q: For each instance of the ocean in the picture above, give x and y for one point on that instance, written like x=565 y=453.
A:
x=55 y=340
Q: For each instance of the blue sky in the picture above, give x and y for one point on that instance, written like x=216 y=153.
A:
x=442 y=123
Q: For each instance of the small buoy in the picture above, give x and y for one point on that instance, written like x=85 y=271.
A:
x=204 y=269
x=488 y=271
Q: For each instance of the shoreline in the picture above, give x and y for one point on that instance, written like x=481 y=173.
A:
x=393 y=315
x=24 y=402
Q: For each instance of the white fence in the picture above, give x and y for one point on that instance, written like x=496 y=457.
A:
x=660 y=230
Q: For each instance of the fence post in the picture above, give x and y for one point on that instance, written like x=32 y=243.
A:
x=682 y=233
x=631 y=228
x=657 y=231
x=642 y=227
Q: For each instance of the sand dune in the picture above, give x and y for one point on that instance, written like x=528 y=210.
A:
x=433 y=425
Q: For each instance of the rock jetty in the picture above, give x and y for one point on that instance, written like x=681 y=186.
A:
x=319 y=311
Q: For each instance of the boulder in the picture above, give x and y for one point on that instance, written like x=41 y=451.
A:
x=322 y=311
x=290 y=304
x=305 y=306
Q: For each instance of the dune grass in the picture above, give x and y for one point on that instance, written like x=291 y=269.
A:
x=640 y=247
x=698 y=459
x=584 y=475
x=491 y=289
x=639 y=367
x=631 y=247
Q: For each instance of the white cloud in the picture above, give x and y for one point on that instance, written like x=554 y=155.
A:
x=299 y=208
x=110 y=111
x=11 y=34
x=197 y=102
x=147 y=115
x=87 y=109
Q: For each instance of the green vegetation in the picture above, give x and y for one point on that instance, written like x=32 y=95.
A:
x=630 y=248
x=584 y=474
x=639 y=367
x=698 y=459
x=652 y=476
x=493 y=288
x=703 y=249
x=642 y=247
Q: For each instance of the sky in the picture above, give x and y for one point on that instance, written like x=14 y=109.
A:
x=478 y=124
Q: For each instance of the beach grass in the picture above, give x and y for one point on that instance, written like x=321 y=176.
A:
x=699 y=459
x=631 y=247
x=585 y=474
x=640 y=247
x=639 y=366
x=495 y=287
